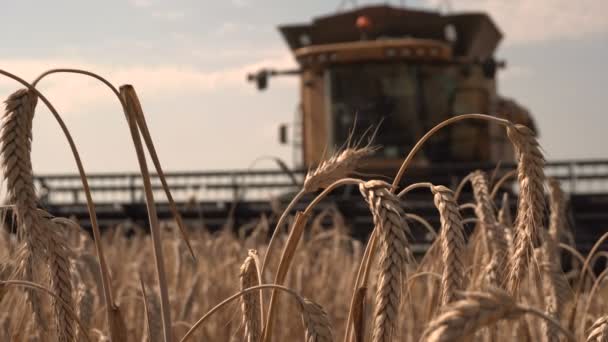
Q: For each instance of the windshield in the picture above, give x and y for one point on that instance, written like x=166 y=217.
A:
x=405 y=100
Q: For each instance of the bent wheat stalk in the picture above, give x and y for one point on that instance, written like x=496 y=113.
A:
x=132 y=106
x=337 y=167
x=111 y=308
x=316 y=323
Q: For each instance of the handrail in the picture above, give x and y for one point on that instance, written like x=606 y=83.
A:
x=217 y=184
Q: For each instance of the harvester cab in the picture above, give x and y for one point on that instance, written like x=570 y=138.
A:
x=399 y=71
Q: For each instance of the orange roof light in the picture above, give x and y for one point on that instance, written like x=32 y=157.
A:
x=363 y=23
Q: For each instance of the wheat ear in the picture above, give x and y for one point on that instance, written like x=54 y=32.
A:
x=316 y=322
x=452 y=243
x=599 y=330
x=85 y=300
x=337 y=167
x=493 y=231
x=251 y=302
x=531 y=205
x=461 y=319
x=40 y=234
x=394 y=255
x=555 y=285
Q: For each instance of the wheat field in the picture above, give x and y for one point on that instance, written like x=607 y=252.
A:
x=298 y=279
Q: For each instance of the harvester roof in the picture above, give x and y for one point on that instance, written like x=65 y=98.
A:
x=476 y=34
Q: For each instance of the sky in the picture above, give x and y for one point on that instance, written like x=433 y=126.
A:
x=188 y=61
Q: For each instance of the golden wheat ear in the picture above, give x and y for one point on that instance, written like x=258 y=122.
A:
x=42 y=237
x=452 y=243
x=492 y=230
x=531 y=207
x=461 y=319
x=395 y=254
x=251 y=304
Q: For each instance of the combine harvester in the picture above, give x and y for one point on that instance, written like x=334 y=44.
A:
x=399 y=70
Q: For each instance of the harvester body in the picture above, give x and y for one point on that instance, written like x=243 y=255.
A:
x=398 y=72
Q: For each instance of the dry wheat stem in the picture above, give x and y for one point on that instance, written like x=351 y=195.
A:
x=413 y=187
x=151 y=308
x=432 y=131
x=337 y=167
x=141 y=121
x=277 y=229
x=288 y=252
x=452 y=243
x=360 y=281
x=132 y=106
x=461 y=185
x=499 y=183
x=395 y=254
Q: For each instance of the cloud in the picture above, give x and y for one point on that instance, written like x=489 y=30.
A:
x=78 y=94
x=526 y=21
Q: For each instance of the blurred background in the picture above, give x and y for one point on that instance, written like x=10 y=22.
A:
x=188 y=61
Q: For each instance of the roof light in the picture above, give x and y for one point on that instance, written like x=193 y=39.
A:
x=363 y=23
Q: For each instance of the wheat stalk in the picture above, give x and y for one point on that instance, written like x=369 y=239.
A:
x=599 y=330
x=452 y=243
x=251 y=302
x=152 y=308
x=531 y=206
x=337 y=167
x=394 y=255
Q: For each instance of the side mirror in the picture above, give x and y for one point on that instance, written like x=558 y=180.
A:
x=283 y=134
x=260 y=78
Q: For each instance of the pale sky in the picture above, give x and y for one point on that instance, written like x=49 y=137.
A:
x=188 y=61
